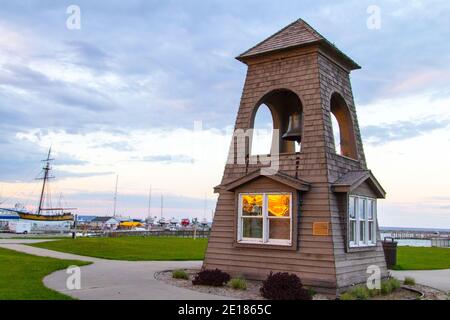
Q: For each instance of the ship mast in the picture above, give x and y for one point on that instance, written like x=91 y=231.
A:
x=45 y=178
x=115 y=196
x=149 y=203
x=162 y=205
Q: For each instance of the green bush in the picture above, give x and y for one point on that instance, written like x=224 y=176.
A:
x=395 y=284
x=389 y=286
x=238 y=284
x=409 y=281
x=374 y=292
x=347 y=296
x=180 y=274
x=361 y=293
x=385 y=288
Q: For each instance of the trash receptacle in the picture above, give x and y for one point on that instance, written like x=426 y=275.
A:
x=390 y=252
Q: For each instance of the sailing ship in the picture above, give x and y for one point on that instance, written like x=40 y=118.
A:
x=42 y=213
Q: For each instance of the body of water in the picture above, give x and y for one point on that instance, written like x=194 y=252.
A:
x=409 y=242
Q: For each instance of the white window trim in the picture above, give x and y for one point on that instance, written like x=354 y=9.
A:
x=355 y=207
x=365 y=242
x=373 y=220
x=265 y=217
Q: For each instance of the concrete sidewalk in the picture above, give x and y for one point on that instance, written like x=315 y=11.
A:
x=438 y=279
x=116 y=280
x=22 y=241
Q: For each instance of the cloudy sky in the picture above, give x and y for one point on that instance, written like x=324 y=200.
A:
x=123 y=94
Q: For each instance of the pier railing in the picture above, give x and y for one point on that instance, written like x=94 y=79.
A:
x=417 y=235
x=199 y=233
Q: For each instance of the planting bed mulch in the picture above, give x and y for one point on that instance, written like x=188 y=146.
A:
x=399 y=294
x=252 y=292
x=416 y=292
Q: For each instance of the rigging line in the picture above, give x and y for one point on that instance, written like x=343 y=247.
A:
x=29 y=173
x=149 y=202
x=57 y=190
x=25 y=180
x=49 y=194
x=64 y=201
x=18 y=191
x=35 y=187
x=31 y=194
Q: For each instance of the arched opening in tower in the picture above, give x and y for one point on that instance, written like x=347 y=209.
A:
x=262 y=131
x=286 y=111
x=343 y=132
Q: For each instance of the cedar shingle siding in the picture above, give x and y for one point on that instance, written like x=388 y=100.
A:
x=294 y=59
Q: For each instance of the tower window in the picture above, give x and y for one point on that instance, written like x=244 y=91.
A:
x=342 y=125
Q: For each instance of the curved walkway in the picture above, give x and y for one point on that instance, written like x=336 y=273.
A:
x=438 y=279
x=113 y=279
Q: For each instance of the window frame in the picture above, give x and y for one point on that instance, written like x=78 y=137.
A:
x=362 y=211
x=372 y=204
x=366 y=201
x=352 y=242
x=265 y=240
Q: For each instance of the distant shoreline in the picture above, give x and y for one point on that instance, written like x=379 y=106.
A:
x=413 y=229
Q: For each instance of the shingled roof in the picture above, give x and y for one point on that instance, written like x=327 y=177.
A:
x=278 y=176
x=297 y=34
x=352 y=179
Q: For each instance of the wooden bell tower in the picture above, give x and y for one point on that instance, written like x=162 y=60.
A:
x=315 y=215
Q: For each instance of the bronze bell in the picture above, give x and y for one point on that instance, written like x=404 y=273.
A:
x=294 y=130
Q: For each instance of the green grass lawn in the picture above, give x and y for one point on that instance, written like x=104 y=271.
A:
x=132 y=248
x=422 y=258
x=21 y=276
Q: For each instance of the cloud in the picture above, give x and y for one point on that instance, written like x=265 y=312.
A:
x=89 y=55
x=417 y=80
x=39 y=85
x=117 y=145
x=169 y=158
x=384 y=133
x=68 y=174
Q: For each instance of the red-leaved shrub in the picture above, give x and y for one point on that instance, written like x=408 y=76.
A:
x=216 y=278
x=284 y=286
